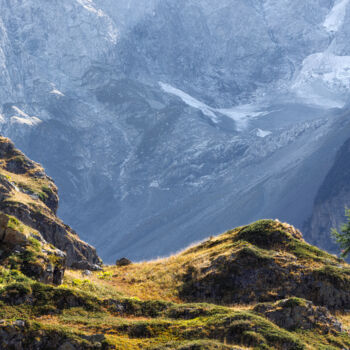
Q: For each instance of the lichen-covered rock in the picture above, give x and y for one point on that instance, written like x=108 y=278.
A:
x=19 y=335
x=30 y=196
x=295 y=313
x=47 y=297
x=27 y=251
x=86 y=266
x=10 y=233
x=267 y=261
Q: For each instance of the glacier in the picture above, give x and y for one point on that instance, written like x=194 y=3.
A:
x=335 y=19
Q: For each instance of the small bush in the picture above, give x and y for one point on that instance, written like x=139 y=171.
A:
x=78 y=282
x=105 y=275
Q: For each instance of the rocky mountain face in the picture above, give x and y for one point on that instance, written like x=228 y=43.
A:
x=163 y=122
x=33 y=239
x=332 y=199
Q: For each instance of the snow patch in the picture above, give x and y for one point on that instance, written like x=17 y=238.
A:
x=263 y=133
x=56 y=92
x=23 y=118
x=324 y=79
x=20 y=112
x=89 y=5
x=154 y=184
x=31 y=121
x=191 y=101
x=335 y=18
x=240 y=114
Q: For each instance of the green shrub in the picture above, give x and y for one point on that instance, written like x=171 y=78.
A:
x=105 y=275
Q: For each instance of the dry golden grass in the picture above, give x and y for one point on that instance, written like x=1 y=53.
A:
x=153 y=280
x=162 y=279
x=344 y=318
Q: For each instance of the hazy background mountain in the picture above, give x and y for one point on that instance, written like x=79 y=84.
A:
x=164 y=122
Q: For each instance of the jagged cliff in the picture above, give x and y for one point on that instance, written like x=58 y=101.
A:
x=32 y=237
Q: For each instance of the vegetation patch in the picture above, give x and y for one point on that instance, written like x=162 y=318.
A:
x=266 y=234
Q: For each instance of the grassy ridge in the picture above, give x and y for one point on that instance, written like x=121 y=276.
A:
x=140 y=306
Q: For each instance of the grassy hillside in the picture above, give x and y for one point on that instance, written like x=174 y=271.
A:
x=259 y=286
x=159 y=304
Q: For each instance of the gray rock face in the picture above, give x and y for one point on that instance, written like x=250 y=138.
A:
x=331 y=200
x=164 y=122
x=20 y=336
x=29 y=196
x=296 y=313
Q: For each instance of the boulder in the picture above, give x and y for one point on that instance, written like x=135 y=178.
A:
x=123 y=262
x=86 y=265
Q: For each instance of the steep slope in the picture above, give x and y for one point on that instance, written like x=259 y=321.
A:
x=28 y=206
x=262 y=262
x=331 y=200
x=254 y=272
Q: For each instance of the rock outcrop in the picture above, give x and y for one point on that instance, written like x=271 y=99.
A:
x=28 y=207
x=297 y=313
x=21 y=336
x=267 y=261
x=123 y=262
x=25 y=249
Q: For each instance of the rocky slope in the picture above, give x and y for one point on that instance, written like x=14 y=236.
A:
x=264 y=288
x=163 y=122
x=33 y=238
x=331 y=200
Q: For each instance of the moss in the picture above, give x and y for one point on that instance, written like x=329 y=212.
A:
x=253 y=338
x=264 y=234
x=47 y=190
x=306 y=251
x=194 y=345
x=292 y=302
x=14 y=292
x=35 y=244
x=25 y=187
x=141 y=330
x=15 y=224
x=42 y=196
x=191 y=311
x=63 y=297
x=255 y=255
x=338 y=277
x=57 y=261
x=29 y=256
x=8 y=276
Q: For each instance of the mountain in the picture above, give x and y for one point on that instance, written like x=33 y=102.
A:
x=164 y=122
